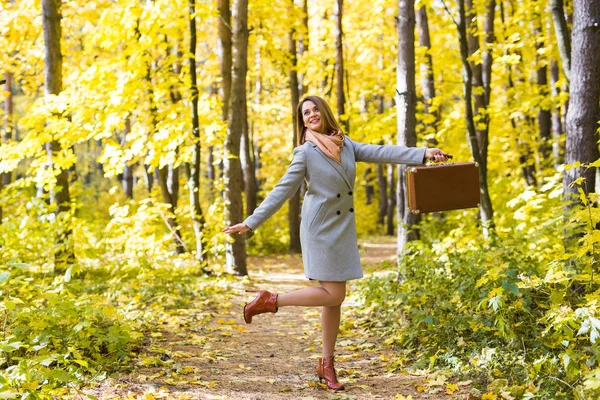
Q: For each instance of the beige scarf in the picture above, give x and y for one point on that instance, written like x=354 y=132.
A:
x=331 y=145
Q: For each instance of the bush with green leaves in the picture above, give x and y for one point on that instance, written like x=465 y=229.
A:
x=519 y=314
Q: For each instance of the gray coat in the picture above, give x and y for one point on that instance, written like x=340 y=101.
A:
x=328 y=227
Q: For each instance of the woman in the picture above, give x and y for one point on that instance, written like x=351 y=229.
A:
x=326 y=158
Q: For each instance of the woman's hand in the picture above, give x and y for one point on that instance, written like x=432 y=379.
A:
x=239 y=228
x=436 y=155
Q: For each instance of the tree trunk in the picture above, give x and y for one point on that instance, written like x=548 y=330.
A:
x=149 y=178
x=127 y=178
x=525 y=154
x=198 y=220
x=255 y=144
x=8 y=118
x=486 y=211
x=294 y=202
x=584 y=109
x=391 y=200
x=224 y=50
x=64 y=254
x=235 y=249
x=8 y=127
x=246 y=150
x=303 y=41
x=480 y=114
x=339 y=65
x=562 y=35
x=166 y=178
x=486 y=57
x=427 y=78
x=544 y=117
x=369 y=189
x=557 y=126
x=383 y=197
x=406 y=103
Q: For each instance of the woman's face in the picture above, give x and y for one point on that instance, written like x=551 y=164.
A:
x=311 y=116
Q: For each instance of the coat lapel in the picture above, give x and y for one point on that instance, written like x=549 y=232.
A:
x=335 y=165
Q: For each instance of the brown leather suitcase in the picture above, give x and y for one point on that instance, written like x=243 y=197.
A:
x=442 y=187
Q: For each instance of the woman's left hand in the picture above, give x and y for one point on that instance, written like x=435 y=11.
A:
x=436 y=155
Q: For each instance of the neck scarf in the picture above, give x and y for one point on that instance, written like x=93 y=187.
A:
x=331 y=145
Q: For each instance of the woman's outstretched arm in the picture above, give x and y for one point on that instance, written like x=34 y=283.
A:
x=283 y=191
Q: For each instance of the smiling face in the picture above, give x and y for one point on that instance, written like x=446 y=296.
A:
x=312 y=116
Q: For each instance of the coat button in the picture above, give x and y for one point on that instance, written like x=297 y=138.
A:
x=339 y=195
x=338 y=212
x=352 y=210
x=350 y=193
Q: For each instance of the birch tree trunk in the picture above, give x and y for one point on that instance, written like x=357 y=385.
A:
x=584 y=109
x=406 y=102
x=562 y=35
x=64 y=254
x=235 y=252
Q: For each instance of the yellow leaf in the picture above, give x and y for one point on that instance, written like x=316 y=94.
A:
x=489 y=396
x=451 y=388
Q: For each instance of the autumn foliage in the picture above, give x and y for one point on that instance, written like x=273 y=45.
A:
x=510 y=302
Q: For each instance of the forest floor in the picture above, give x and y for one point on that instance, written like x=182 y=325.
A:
x=206 y=351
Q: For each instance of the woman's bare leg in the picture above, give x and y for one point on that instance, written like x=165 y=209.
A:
x=330 y=324
x=330 y=318
x=329 y=294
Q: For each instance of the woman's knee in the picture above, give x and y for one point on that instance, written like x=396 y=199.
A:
x=338 y=298
x=337 y=292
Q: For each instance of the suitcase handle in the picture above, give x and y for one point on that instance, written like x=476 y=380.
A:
x=450 y=157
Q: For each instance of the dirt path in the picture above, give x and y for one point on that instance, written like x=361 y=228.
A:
x=209 y=352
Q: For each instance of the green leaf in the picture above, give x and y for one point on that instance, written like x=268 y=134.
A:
x=19 y=265
x=46 y=362
x=4 y=276
x=10 y=347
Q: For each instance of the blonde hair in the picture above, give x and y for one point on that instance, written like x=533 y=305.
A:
x=330 y=125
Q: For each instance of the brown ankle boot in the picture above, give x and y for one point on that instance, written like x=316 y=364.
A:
x=326 y=371
x=263 y=303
